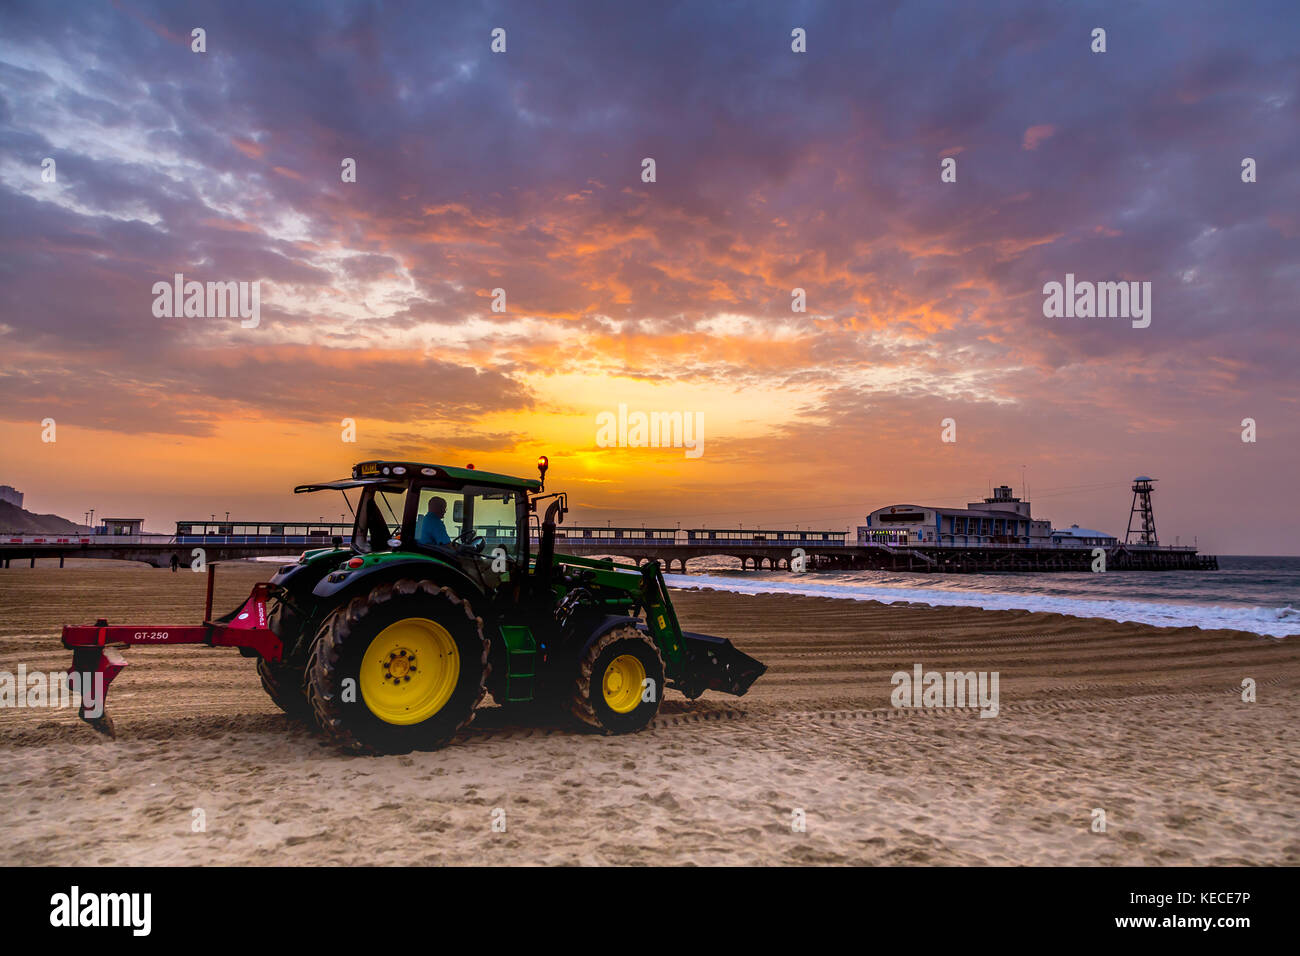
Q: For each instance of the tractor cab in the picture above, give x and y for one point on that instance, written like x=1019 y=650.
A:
x=459 y=515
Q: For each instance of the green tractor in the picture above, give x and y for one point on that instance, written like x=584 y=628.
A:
x=391 y=640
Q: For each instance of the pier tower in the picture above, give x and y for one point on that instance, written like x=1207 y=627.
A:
x=1142 y=515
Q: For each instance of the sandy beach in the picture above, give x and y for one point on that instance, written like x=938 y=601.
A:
x=1145 y=723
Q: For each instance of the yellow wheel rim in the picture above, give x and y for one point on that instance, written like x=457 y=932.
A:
x=621 y=684
x=409 y=671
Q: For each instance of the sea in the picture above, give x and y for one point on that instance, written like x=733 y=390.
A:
x=1256 y=594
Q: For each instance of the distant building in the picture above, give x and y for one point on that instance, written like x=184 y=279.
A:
x=1076 y=537
x=121 y=526
x=999 y=519
x=11 y=495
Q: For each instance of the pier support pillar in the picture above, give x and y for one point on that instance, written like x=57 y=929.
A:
x=60 y=560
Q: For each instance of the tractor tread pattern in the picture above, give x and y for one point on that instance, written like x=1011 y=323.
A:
x=336 y=630
x=284 y=683
x=580 y=700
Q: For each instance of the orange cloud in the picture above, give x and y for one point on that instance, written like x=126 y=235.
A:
x=1036 y=135
x=247 y=147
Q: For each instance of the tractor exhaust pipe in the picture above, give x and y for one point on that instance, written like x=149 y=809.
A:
x=546 y=546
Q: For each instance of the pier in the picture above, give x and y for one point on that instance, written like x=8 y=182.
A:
x=673 y=548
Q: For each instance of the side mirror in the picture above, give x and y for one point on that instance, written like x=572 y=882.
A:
x=542 y=464
x=458 y=511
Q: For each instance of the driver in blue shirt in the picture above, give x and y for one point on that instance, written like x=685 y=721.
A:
x=431 y=529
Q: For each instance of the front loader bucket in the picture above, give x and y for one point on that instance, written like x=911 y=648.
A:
x=713 y=663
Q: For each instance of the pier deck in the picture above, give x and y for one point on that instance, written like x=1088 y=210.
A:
x=673 y=551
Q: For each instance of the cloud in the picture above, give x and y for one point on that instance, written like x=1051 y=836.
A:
x=521 y=171
x=1035 y=135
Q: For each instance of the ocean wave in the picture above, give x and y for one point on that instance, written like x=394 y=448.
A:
x=1267 y=621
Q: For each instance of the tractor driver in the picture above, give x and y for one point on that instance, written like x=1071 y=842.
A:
x=431 y=529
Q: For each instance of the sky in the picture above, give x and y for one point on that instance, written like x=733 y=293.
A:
x=774 y=170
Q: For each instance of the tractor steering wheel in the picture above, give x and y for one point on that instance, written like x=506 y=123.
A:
x=474 y=542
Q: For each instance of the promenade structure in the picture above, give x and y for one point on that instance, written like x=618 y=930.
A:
x=996 y=534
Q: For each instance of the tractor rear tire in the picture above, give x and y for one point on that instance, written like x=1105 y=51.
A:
x=401 y=668
x=610 y=690
x=283 y=682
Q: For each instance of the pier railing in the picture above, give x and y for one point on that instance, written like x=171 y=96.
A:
x=611 y=537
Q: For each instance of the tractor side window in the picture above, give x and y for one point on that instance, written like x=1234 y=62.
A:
x=379 y=518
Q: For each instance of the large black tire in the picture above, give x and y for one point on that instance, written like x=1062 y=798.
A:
x=588 y=701
x=350 y=719
x=283 y=681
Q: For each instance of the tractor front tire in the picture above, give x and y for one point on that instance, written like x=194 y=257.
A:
x=284 y=683
x=620 y=682
x=398 y=669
